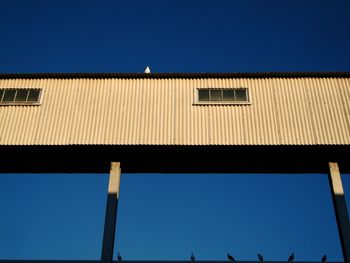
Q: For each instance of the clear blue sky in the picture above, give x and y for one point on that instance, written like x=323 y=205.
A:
x=168 y=216
x=174 y=36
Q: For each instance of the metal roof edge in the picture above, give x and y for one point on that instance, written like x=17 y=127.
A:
x=175 y=75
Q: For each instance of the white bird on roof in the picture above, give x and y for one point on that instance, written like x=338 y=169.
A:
x=147 y=70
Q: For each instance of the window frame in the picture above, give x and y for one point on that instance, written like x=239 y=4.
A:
x=23 y=103
x=196 y=100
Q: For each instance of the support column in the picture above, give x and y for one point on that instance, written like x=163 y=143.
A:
x=341 y=211
x=111 y=213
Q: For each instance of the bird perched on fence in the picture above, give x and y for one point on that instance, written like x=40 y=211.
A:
x=291 y=258
x=260 y=257
x=192 y=257
x=324 y=258
x=230 y=258
x=119 y=257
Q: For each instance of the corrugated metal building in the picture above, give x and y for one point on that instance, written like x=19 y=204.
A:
x=160 y=118
x=163 y=109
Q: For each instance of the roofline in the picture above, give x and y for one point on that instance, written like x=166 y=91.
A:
x=175 y=75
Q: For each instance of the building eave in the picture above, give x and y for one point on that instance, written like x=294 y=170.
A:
x=175 y=75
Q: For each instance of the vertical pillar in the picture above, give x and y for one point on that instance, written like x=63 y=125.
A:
x=111 y=213
x=341 y=211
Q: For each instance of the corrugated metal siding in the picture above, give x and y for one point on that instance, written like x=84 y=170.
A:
x=160 y=111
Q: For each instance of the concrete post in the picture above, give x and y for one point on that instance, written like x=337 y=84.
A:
x=340 y=207
x=111 y=213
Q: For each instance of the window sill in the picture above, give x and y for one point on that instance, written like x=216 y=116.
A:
x=20 y=104
x=202 y=103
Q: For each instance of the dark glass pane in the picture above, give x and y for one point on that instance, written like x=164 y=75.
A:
x=9 y=95
x=1 y=93
x=203 y=95
x=215 y=95
x=241 y=95
x=34 y=95
x=21 y=95
x=228 y=95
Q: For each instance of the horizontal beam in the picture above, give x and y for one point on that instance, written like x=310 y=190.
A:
x=173 y=159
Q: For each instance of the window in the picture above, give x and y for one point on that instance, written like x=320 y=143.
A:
x=223 y=96
x=20 y=96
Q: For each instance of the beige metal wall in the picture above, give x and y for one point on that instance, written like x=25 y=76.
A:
x=300 y=111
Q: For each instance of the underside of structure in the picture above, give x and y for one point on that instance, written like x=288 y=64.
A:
x=174 y=159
